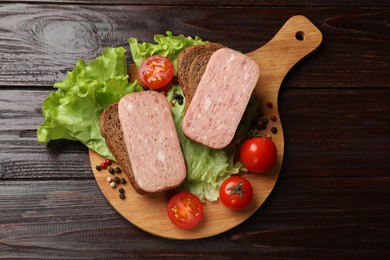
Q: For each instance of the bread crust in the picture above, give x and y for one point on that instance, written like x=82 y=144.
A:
x=221 y=98
x=191 y=65
x=111 y=130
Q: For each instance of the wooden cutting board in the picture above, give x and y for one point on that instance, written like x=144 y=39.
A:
x=296 y=39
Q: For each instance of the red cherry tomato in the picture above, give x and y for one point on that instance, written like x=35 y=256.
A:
x=185 y=210
x=156 y=72
x=236 y=192
x=258 y=154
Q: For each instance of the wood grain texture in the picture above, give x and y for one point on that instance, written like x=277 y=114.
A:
x=331 y=217
x=325 y=136
x=42 y=42
x=263 y=3
x=149 y=212
x=331 y=199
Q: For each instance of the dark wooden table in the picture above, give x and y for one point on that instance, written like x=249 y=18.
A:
x=332 y=199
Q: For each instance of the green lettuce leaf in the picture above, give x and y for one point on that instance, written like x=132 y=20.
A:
x=72 y=112
x=169 y=46
x=206 y=168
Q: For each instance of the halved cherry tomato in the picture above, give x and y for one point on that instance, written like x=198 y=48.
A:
x=156 y=72
x=258 y=154
x=236 y=192
x=185 y=210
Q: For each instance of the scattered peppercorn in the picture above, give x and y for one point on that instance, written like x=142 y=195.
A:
x=111 y=170
x=109 y=179
x=259 y=115
x=98 y=168
x=108 y=162
x=117 y=180
x=262 y=124
x=121 y=190
x=273 y=118
x=269 y=104
x=123 y=181
x=145 y=88
x=274 y=130
x=112 y=184
x=103 y=165
x=177 y=96
x=118 y=170
x=175 y=79
x=122 y=196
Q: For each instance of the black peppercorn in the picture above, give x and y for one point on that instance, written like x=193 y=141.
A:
x=121 y=190
x=177 y=96
x=122 y=196
x=274 y=130
x=118 y=170
x=259 y=115
x=98 y=168
x=111 y=170
x=262 y=124
x=123 y=181
x=117 y=180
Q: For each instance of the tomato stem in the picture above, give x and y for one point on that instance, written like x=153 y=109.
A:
x=255 y=133
x=237 y=189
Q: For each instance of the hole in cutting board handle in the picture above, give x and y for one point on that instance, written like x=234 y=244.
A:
x=300 y=36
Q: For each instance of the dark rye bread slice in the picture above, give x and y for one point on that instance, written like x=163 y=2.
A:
x=191 y=64
x=111 y=130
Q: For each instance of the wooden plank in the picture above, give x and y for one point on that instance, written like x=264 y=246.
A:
x=303 y=217
x=345 y=133
x=40 y=45
x=324 y=136
x=264 y=3
x=20 y=154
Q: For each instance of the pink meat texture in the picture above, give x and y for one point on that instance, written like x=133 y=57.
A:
x=221 y=98
x=151 y=141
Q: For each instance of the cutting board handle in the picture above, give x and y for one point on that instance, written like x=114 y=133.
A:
x=296 y=39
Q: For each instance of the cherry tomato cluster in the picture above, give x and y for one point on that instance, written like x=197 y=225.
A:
x=258 y=155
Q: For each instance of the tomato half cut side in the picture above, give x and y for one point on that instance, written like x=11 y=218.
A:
x=156 y=72
x=185 y=210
